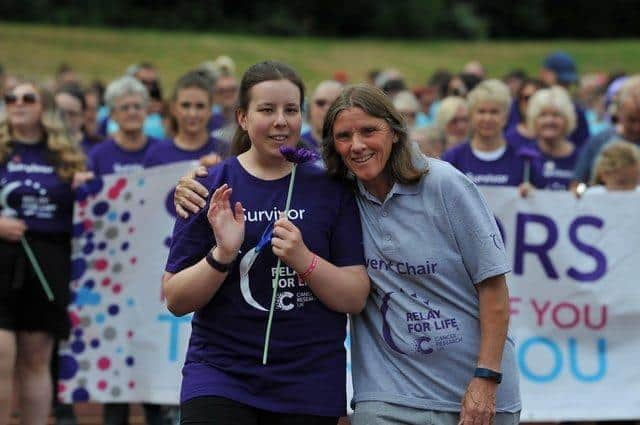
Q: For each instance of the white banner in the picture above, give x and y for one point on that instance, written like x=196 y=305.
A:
x=575 y=302
x=125 y=345
x=574 y=298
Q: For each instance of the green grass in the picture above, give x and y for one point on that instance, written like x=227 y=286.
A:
x=36 y=50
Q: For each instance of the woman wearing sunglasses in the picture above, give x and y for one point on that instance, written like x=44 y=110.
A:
x=324 y=95
x=37 y=166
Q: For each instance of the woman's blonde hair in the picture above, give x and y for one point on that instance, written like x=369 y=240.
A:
x=615 y=155
x=492 y=90
x=556 y=97
x=447 y=110
x=66 y=157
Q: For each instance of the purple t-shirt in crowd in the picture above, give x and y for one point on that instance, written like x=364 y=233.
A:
x=87 y=144
x=31 y=190
x=557 y=173
x=109 y=158
x=517 y=139
x=310 y=142
x=305 y=373
x=216 y=122
x=507 y=170
x=167 y=152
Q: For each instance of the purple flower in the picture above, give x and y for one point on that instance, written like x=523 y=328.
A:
x=298 y=155
x=528 y=153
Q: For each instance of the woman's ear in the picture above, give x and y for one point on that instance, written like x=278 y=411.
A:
x=241 y=117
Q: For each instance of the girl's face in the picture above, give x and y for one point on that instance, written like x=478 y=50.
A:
x=273 y=117
x=550 y=125
x=192 y=110
x=488 y=119
x=24 y=106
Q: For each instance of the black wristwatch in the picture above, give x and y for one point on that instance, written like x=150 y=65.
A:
x=217 y=265
x=482 y=372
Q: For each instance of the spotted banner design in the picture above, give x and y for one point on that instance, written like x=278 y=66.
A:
x=124 y=345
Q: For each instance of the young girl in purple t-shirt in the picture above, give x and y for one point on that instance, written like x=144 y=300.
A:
x=219 y=269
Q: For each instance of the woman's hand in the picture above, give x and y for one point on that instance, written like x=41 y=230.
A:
x=479 y=402
x=526 y=189
x=80 y=178
x=12 y=229
x=190 y=196
x=287 y=244
x=227 y=224
x=210 y=160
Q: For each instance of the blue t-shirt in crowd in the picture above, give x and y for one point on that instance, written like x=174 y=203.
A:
x=167 y=152
x=306 y=369
x=506 y=170
x=109 y=158
x=31 y=190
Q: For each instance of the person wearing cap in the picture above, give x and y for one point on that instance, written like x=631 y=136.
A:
x=323 y=96
x=627 y=128
x=560 y=69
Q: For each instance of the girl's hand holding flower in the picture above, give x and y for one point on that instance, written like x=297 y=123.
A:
x=287 y=244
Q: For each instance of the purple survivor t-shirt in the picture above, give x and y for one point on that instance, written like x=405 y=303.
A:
x=31 y=190
x=167 y=152
x=558 y=172
x=306 y=369
x=507 y=170
x=109 y=158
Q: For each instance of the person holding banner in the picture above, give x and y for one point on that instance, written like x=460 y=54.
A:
x=487 y=158
x=431 y=345
x=38 y=164
x=551 y=117
x=190 y=106
x=124 y=153
x=221 y=268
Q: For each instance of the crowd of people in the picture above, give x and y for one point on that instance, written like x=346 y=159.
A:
x=380 y=141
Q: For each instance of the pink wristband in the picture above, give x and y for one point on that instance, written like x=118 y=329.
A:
x=310 y=269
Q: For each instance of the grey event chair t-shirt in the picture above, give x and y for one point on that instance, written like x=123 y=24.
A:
x=416 y=342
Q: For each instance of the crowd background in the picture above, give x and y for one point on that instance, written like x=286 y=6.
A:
x=508 y=124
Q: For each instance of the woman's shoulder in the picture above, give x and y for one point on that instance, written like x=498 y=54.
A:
x=443 y=178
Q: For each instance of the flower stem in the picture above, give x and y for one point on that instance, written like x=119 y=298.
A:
x=267 y=336
x=36 y=266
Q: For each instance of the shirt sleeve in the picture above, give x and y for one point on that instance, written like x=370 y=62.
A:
x=476 y=231
x=192 y=238
x=346 y=238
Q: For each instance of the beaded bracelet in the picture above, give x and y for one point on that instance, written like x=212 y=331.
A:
x=310 y=269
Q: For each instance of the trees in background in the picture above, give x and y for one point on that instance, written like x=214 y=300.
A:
x=348 y=18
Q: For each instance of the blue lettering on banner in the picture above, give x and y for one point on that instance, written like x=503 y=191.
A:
x=174 y=332
x=558 y=361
